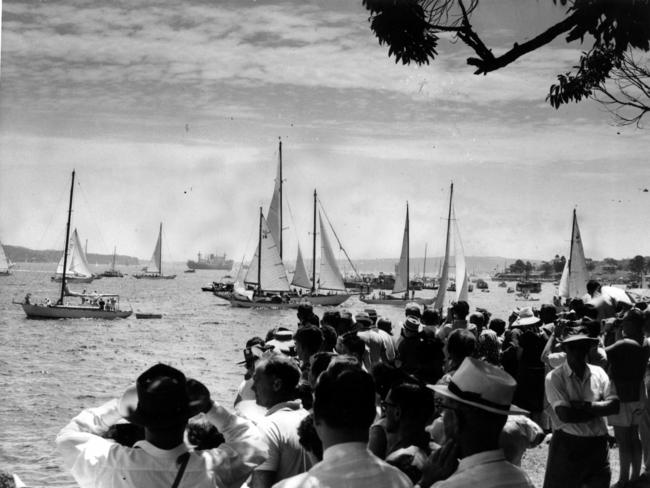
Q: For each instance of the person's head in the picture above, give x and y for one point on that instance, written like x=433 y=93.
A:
x=476 y=405
x=363 y=320
x=577 y=305
x=308 y=438
x=460 y=309
x=461 y=343
x=346 y=323
x=547 y=313
x=386 y=376
x=344 y=404
x=281 y=342
x=577 y=343
x=385 y=324
x=430 y=316
x=329 y=338
x=275 y=380
x=331 y=318
x=202 y=434
x=477 y=318
x=498 y=326
x=633 y=323
x=592 y=287
x=350 y=343
x=488 y=347
x=305 y=311
x=372 y=313
x=413 y=309
x=526 y=318
x=252 y=352
x=411 y=327
x=319 y=363
x=408 y=405
x=308 y=341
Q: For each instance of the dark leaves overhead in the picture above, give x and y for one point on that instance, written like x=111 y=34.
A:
x=402 y=26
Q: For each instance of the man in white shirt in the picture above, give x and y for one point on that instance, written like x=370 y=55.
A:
x=476 y=404
x=344 y=409
x=275 y=383
x=162 y=401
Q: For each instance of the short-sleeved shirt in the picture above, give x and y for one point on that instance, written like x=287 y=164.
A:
x=563 y=386
x=280 y=431
x=627 y=363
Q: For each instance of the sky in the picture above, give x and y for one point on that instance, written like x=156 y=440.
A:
x=171 y=112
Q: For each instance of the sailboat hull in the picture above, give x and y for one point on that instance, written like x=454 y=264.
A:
x=326 y=300
x=153 y=277
x=398 y=302
x=73 y=279
x=262 y=303
x=72 y=312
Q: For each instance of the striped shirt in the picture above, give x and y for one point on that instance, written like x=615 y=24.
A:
x=488 y=469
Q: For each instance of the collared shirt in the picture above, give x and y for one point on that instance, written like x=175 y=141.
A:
x=563 y=386
x=349 y=465
x=286 y=457
x=98 y=462
x=488 y=469
x=374 y=346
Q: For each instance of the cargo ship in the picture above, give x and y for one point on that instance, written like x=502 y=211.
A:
x=211 y=262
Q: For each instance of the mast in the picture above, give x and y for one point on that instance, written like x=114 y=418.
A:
x=259 y=256
x=424 y=266
x=160 y=253
x=280 y=192
x=408 y=246
x=313 y=256
x=67 y=241
x=114 y=251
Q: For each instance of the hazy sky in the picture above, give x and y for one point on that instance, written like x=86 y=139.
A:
x=171 y=111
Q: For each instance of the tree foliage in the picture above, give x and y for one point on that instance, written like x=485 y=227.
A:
x=411 y=30
x=637 y=264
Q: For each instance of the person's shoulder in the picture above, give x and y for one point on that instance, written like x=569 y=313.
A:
x=598 y=371
x=300 y=480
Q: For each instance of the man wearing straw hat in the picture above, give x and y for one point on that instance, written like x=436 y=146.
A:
x=475 y=406
x=580 y=396
x=161 y=401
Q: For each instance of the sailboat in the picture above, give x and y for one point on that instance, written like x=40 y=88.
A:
x=112 y=272
x=5 y=264
x=266 y=275
x=75 y=263
x=329 y=288
x=402 y=282
x=573 y=283
x=461 y=282
x=93 y=306
x=153 y=271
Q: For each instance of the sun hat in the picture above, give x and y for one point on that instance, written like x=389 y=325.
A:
x=159 y=398
x=481 y=385
x=577 y=334
x=363 y=318
x=411 y=324
x=526 y=316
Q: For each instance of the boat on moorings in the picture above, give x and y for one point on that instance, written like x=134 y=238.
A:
x=401 y=293
x=112 y=272
x=93 y=306
x=153 y=271
x=212 y=261
x=5 y=264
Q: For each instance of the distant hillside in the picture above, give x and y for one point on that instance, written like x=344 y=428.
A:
x=19 y=254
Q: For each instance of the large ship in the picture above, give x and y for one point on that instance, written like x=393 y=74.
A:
x=211 y=262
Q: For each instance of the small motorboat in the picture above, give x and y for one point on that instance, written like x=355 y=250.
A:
x=146 y=315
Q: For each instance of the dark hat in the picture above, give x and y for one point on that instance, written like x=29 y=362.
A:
x=362 y=318
x=412 y=324
x=372 y=313
x=413 y=308
x=577 y=334
x=158 y=399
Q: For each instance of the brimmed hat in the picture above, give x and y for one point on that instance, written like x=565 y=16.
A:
x=481 y=385
x=526 y=317
x=413 y=308
x=363 y=318
x=411 y=324
x=576 y=334
x=159 y=398
x=372 y=313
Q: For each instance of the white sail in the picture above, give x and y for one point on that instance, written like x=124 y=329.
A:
x=77 y=265
x=575 y=275
x=274 y=215
x=462 y=280
x=155 y=264
x=5 y=264
x=444 y=272
x=300 y=276
x=330 y=277
x=401 y=277
x=273 y=275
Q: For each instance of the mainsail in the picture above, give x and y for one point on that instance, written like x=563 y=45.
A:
x=5 y=264
x=462 y=280
x=155 y=264
x=300 y=276
x=274 y=215
x=444 y=273
x=401 y=276
x=573 y=283
x=330 y=274
x=77 y=265
x=271 y=271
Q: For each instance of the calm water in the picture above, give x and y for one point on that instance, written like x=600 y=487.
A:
x=51 y=370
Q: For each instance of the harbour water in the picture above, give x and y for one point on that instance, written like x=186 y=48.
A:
x=51 y=370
